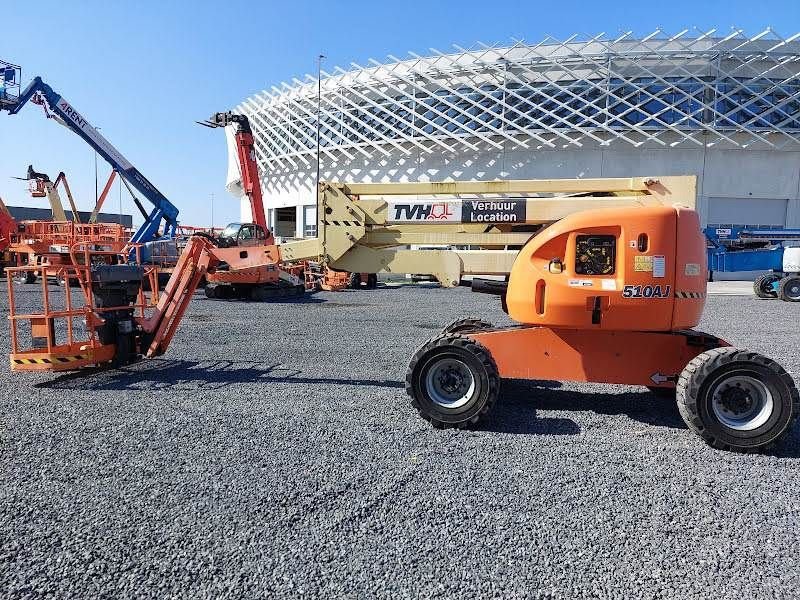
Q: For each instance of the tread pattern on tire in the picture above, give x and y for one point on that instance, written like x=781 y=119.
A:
x=469 y=323
x=700 y=367
x=757 y=289
x=480 y=352
x=784 y=284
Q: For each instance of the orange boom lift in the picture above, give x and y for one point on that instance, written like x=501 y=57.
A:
x=607 y=295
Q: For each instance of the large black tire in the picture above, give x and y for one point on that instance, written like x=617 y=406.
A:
x=354 y=281
x=452 y=381
x=468 y=325
x=762 y=286
x=372 y=281
x=737 y=400
x=789 y=288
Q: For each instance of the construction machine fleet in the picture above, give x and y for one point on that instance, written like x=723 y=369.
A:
x=33 y=243
x=58 y=108
x=608 y=290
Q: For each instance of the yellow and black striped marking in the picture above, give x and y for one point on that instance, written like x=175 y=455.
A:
x=690 y=294
x=55 y=360
x=344 y=223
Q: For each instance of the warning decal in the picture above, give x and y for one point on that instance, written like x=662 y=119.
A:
x=643 y=263
x=659 y=266
x=580 y=283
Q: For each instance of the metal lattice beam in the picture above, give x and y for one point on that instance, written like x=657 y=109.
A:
x=700 y=89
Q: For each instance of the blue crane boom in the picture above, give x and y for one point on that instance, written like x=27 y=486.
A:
x=38 y=92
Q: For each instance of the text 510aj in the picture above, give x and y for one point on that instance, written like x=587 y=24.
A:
x=646 y=291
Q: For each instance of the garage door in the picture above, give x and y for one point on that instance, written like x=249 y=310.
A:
x=747 y=211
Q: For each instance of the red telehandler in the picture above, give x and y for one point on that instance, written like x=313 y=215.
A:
x=248 y=284
x=264 y=282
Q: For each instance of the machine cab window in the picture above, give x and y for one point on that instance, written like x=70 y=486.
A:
x=244 y=234
x=595 y=254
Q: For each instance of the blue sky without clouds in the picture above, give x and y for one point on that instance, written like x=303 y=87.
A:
x=145 y=71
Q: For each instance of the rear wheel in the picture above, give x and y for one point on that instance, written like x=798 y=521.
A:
x=737 y=400
x=764 y=286
x=468 y=325
x=452 y=381
x=372 y=281
x=354 y=281
x=789 y=288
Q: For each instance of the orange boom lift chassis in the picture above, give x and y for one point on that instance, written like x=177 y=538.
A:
x=607 y=295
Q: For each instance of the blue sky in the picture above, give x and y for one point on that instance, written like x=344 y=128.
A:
x=145 y=71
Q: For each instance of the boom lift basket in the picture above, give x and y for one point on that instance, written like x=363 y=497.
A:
x=66 y=333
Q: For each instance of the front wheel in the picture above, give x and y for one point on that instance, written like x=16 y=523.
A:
x=452 y=381
x=789 y=288
x=737 y=400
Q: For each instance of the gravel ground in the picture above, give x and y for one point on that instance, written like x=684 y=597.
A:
x=272 y=452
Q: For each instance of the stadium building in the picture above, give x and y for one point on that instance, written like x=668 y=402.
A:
x=723 y=107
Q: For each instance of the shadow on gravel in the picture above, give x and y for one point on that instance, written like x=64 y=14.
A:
x=307 y=299
x=156 y=374
x=789 y=447
x=515 y=411
x=517 y=407
x=644 y=407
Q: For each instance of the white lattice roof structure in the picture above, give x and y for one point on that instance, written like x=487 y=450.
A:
x=700 y=89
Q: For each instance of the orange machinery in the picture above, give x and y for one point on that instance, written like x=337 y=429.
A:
x=116 y=323
x=295 y=278
x=46 y=243
x=34 y=244
x=606 y=295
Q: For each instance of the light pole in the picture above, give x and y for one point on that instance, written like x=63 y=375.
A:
x=212 y=212
x=320 y=58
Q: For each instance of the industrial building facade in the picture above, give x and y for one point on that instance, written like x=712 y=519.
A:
x=723 y=107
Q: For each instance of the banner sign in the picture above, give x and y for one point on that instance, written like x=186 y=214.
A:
x=467 y=211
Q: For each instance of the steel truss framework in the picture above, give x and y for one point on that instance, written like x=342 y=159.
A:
x=699 y=89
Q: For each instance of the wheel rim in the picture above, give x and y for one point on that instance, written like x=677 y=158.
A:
x=741 y=402
x=450 y=383
x=793 y=289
